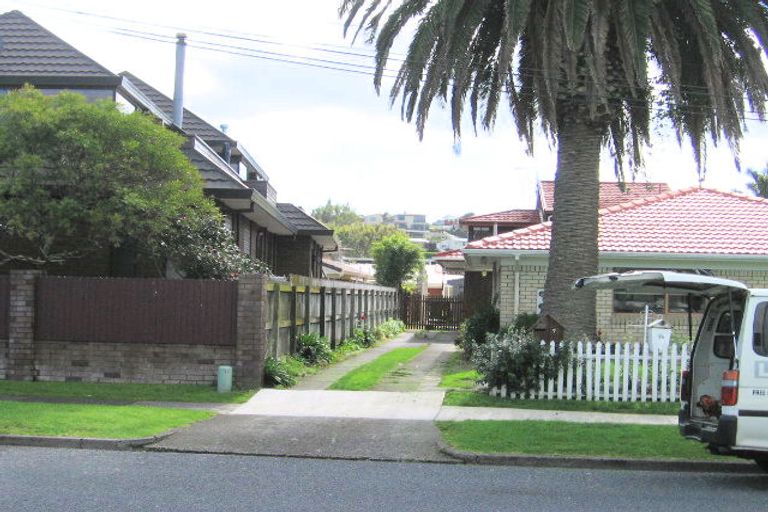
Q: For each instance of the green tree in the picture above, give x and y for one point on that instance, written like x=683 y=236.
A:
x=336 y=215
x=591 y=73
x=357 y=239
x=77 y=177
x=397 y=259
x=759 y=185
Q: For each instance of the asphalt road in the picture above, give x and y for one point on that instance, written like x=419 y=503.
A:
x=82 y=480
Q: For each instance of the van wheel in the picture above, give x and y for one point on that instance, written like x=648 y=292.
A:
x=762 y=462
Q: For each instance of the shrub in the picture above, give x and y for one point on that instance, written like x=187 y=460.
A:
x=276 y=373
x=363 y=337
x=389 y=329
x=477 y=327
x=313 y=348
x=525 y=321
x=516 y=360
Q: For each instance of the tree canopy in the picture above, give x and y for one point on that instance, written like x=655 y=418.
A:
x=77 y=177
x=759 y=184
x=397 y=259
x=590 y=73
x=336 y=215
x=358 y=238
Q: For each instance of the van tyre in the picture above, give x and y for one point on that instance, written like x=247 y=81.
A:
x=762 y=462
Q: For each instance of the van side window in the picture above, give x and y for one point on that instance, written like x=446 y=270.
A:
x=723 y=340
x=760 y=329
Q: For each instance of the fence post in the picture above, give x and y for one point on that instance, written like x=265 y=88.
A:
x=275 y=319
x=352 y=310
x=21 y=322
x=333 y=318
x=307 y=299
x=344 y=318
x=322 y=311
x=293 y=342
x=251 y=341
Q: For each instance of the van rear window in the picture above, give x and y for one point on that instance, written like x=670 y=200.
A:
x=723 y=340
x=759 y=330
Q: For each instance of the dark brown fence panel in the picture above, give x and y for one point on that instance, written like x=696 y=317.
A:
x=199 y=312
x=5 y=290
x=420 y=312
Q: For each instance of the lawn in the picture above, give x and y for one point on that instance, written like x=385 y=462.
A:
x=561 y=438
x=99 y=421
x=368 y=375
x=479 y=399
x=458 y=373
x=122 y=392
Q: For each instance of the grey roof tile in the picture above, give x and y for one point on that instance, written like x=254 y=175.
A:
x=29 y=50
x=191 y=122
x=301 y=221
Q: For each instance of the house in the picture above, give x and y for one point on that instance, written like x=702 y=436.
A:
x=693 y=230
x=478 y=289
x=280 y=234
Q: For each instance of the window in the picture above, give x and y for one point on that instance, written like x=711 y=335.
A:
x=659 y=303
x=723 y=341
x=760 y=330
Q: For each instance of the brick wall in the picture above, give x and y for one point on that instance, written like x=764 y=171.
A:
x=130 y=362
x=612 y=326
x=293 y=256
x=22 y=357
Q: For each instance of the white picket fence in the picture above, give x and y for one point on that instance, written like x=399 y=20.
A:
x=626 y=372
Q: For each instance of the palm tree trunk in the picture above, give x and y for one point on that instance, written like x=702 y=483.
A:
x=573 y=248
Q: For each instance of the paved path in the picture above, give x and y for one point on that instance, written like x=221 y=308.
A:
x=327 y=376
x=423 y=372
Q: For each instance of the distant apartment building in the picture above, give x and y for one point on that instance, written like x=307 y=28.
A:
x=413 y=224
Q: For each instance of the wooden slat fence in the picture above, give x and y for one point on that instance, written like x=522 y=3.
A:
x=333 y=309
x=5 y=290
x=439 y=313
x=626 y=372
x=165 y=311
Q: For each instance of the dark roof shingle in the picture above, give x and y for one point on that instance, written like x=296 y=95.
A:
x=191 y=123
x=301 y=221
x=28 y=50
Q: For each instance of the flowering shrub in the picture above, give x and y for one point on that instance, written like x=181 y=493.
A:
x=518 y=361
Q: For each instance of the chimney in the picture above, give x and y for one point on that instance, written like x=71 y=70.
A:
x=178 y=90
x=227 y=145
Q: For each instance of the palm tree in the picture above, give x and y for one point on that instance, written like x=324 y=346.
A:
x=759 y=185
x=592 y=73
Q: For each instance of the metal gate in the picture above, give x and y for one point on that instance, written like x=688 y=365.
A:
x=437 y=313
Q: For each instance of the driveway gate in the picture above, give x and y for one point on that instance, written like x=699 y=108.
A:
x=437 y=313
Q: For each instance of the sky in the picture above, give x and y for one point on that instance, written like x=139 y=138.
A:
x=324 y=134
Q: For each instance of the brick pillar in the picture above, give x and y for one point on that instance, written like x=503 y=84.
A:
x=251 y=345
x=21 y=325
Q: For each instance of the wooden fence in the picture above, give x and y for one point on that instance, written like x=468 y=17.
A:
x=423 y=312
x=161 y=311
x=4 y=305
x=626 y=372
x=333 y=309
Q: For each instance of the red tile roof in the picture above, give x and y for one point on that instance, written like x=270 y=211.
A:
x=455 y=255
x=610 y=193
x=690 y=221
x=507 y=217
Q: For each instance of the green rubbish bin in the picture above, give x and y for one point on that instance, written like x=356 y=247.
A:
x=224 y=380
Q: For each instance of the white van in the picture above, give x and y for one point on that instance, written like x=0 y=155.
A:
x=724 y=392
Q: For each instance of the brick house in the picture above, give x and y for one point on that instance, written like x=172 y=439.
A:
x=280 y=234
x=478 y=286
x=696 y=230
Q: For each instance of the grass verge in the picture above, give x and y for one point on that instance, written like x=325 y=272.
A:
x=458 y=373
x=367 y=376
x=561 y=438
x=99 y=421
x=121 y=392
x=478 y=399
